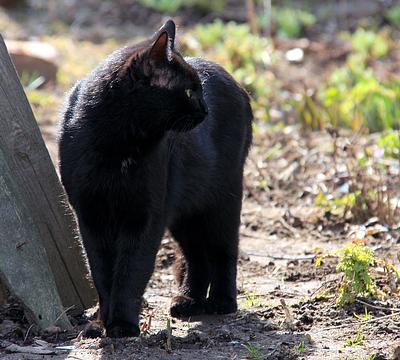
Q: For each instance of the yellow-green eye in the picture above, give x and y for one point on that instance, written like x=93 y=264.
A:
x=189 y=93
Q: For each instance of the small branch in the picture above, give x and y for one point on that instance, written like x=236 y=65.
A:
x=169 y=336
x=288 y=258
x=289 y=321
x=376 y=306
x=27 y=333
x=63 y=313
x=364 y=322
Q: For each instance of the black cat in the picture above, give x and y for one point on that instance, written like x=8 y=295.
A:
x=153 y=141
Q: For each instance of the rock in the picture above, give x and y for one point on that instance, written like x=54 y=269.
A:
x=35 y=59
x=295 y=55
x=52 y=330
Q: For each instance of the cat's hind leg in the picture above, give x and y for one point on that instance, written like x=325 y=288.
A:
x=192 y=267
x=222 y=230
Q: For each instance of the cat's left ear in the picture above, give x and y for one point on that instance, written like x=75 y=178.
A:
x=163 y=44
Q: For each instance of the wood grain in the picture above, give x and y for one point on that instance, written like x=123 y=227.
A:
x=35 y=209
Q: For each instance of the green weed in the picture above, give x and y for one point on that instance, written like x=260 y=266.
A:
x=345 y=201
x=245 y=55
x=290 y=22
x=368 y=42
x=390 y=143
x=354 y=96
x=357 y=340
x=253 y=352
x=172 y=6
x=393 y=15
x=363 y=317
x=355 y=261
x=301 y=347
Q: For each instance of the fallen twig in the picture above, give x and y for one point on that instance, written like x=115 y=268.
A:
x=169 y=335
x=63 y=313
x=288 y=258
x=364 y=322
x=376 y=306
x=27 y=333
x=289 y=320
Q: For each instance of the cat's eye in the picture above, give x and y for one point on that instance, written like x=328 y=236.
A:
x=189 y=93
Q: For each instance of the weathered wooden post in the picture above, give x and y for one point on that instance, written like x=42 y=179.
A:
x=41 y=261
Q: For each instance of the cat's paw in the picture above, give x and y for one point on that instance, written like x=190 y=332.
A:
x=220 y=306
x=121 y=329
x=184 y=307
x=93 y=330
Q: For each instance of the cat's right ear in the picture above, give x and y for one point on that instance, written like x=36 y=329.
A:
x=163 y=43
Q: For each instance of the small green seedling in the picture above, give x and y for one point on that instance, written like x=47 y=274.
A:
x=251 y=299
x=363 y=317
x=301 y=347
x=357 y=340
x=253 y=352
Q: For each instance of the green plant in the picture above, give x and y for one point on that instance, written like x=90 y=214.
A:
x=393 y=15
x=289 y=22
x=368 y=42
x=172 y=6
x=253 y=352
x=355 y=261
x=31 y=80
x=363 y=317
x=354 y=96
x=357 y=340
x=345 y=201
x=251 y=300
x=245 y=55
x=390 y=142
x=301 y=347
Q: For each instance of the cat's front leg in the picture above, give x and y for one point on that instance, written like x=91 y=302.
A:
x=134 y=265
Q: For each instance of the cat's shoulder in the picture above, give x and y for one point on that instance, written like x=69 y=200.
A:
x=216 y=79
x=206 y=67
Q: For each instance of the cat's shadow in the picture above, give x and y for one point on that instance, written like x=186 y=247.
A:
x=244 y=333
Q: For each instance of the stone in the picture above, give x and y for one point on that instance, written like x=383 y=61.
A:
x=34 y=58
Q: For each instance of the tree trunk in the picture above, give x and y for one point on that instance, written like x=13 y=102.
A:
x=40 y=257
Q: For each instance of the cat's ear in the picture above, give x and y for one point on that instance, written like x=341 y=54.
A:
x=163 y=43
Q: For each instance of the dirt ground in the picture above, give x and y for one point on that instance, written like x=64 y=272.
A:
x=285 y=308
x=280 y=316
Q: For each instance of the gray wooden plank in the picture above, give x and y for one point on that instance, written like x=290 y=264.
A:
x=23 y=259
x=35 y=178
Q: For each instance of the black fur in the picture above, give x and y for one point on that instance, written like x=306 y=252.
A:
x=140 y=154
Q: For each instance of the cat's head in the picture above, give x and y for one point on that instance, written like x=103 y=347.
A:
x=153 y=84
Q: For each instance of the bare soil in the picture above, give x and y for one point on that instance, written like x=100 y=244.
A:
x=280 y=314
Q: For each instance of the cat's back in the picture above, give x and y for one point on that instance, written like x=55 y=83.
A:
x=229 y=122
x=228 y=104
x=207 y=161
